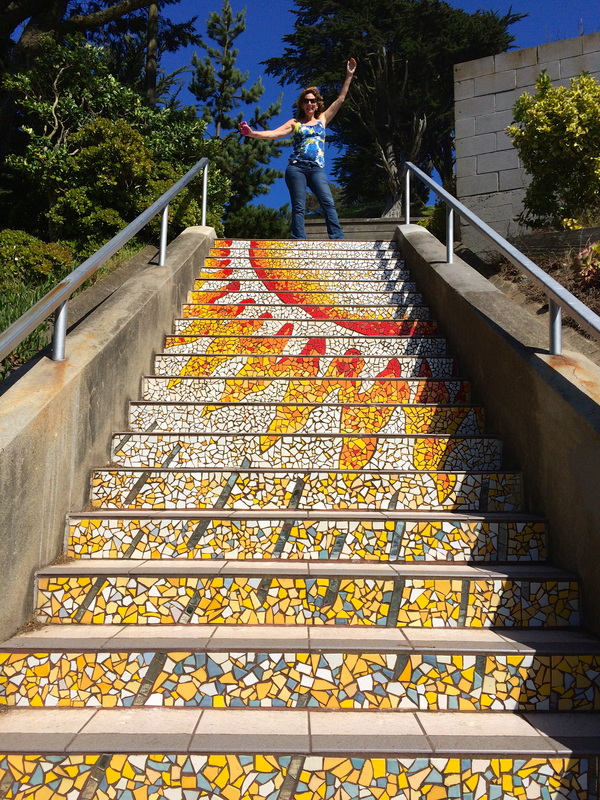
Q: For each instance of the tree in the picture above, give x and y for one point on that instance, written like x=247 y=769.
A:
x=138 y=40
x=92 y=154
x=556 y=134
x=220 y=86
x=44 y=20
x=400 y=107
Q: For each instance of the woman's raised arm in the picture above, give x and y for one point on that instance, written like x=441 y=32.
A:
x=330 y=112
x=276 y=133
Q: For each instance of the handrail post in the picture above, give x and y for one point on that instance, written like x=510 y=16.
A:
x=204 y=192
x=555 y=320
x=407 y=197
x=59 y=336
x=164 y=225
x=449 y=234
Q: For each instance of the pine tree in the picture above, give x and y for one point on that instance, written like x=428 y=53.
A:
x=220 y=86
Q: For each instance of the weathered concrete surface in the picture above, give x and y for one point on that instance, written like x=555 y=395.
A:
x=546 y=408
x=56 y=420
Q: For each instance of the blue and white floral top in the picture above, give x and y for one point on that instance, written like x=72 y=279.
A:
x=309 y=144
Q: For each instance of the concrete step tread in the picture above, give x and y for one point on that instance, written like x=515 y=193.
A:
x=249 y=276
x=301 y=638
x=310 y=274
x=298 y=731
x=309 y=472
x=307 y=569
x=306 y=404
x=313 y=286
x=191 y=435
x=309 y=514
x=410 y=297
x=341 y=357
x=337 y=379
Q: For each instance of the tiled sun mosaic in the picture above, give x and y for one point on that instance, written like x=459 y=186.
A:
x=440 y=601
x=352 y=418
x=285 y=389
x=323 y=539
x=239 y=777
x=425 y=682
x=286 y=341
x=307 y=414
x=338 y=451
x=247 y=489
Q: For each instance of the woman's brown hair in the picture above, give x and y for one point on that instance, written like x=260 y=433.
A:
x=300 y=102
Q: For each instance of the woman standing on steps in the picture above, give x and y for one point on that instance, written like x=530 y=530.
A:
x=307 y=162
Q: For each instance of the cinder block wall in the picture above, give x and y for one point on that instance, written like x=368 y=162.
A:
x=490 y=180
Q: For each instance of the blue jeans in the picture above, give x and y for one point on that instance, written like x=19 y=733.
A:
x=297 y=177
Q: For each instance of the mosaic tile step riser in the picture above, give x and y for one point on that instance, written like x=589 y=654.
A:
x=354 y=365
x=313 y=260
x=243 y=489
x=281 y=344
x=240 y=600
x=278 y=286
x=408 y=335
x=308 y=281
x=383 y=274
x=291 y=451
x=404 y=304
x=334 y=680
x=278 y=245
x=408 y=315
x=240 y=777
x=305 y=390
x=246 y=418
x=385 y=541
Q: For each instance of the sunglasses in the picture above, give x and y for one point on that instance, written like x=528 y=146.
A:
x=310 y=100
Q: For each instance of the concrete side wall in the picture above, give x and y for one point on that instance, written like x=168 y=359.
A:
x=489 y=177
x=545 y=408
x=56 y=421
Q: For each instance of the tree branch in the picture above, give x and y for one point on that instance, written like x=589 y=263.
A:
x=85 y=22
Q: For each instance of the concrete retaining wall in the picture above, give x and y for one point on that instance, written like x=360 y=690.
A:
x=545 y=408
x=56 y=421
x=489 y=177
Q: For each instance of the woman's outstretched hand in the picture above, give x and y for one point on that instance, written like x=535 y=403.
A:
x=244 y=129
x=351 y=66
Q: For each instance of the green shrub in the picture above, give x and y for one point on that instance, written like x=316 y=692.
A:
x=557 y=135
x=436 y=221
x=27 y=261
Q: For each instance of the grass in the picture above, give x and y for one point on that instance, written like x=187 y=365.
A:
x=14 y=302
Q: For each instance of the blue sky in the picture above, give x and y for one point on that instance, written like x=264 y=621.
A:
x=267 y=21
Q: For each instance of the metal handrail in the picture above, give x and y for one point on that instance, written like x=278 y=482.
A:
x=558 y=296
x=58 y=297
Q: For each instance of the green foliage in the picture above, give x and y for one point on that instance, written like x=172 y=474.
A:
x=125 y=41
x=92 y=155
x=14 y=302
x=401 y=103
x=556 y=134
x=220 y=86
x=27 y=261
x=436 y=221
x=259 y=222
x=587 y=266
x=108 y=163
x=29 y=268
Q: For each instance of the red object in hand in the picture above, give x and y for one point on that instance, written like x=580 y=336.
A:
x=244 y=128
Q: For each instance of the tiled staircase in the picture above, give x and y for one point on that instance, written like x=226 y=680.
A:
x=306 y=573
